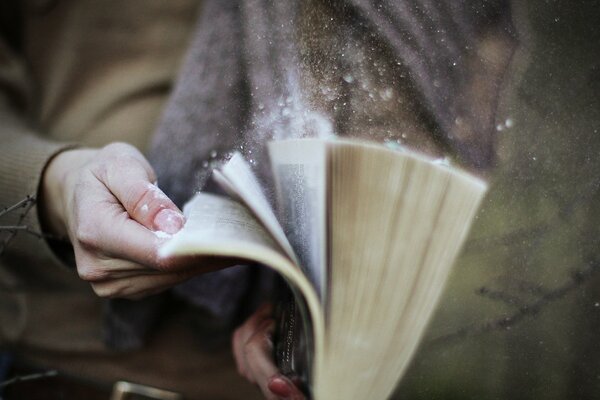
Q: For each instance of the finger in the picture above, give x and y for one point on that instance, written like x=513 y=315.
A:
x=260 y=364
x=258 y=357
x=110 y=232
x=237 y=345
x=241 y=336
x=283 y=387
x=130 y=179
x=92 y=268
x=255 y=322
x=117 y=243
x=127 y=269
x=126 y=239
x=139 y=286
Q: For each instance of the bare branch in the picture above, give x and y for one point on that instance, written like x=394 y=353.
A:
x=26 y=229
x=31 y=377
x=533 y=308
x=500 y=296
x=26 y=202
x=533 y=288
x=14 y=228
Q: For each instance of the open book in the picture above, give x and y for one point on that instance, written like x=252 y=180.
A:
x=364 y=235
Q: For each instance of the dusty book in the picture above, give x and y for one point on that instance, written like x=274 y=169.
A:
x=364 y=235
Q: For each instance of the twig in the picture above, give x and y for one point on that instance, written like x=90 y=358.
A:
x=26 y=378
x=21 y=204
x=14 y=227
x=500 y=296
x=27 y=203
x=531 y=288
x=8 y=232
x=529 y=309
x=26 y=229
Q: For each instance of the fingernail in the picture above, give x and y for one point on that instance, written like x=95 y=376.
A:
x=280 y=386
x=168 y=221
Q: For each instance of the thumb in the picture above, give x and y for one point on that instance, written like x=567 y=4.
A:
x=130 y=181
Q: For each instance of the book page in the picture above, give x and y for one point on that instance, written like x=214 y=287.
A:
x=216 y=222
x=238 y=180
x=220 y=227
x=299 y=171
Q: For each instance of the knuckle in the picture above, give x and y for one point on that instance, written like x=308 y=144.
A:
x=104 y=291
x=90 y=273
x=154 y=195
x=113 y=291
x=100 y=167
x=86 y=235
x=123 y=154
x=116 y=156
x=160 y=263
x=120 y=162
x=118 y=148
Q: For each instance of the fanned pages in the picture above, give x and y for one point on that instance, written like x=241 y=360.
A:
x=220 y=227
x=396 y=224
x=376 y=233
x=237 y=179
x=299 y=171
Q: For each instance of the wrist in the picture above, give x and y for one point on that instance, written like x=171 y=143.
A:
x=55 y=189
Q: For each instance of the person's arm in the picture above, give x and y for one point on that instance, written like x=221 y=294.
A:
x=23 y=156
x=103 y=201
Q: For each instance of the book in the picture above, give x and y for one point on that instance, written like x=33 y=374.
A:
x=365 y=236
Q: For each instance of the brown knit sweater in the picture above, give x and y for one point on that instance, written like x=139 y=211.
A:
x=89 y=73
x=94 y=72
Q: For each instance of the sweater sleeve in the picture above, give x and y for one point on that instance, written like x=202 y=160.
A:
x=24 y=153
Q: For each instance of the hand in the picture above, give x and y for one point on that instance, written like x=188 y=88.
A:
x=253 y=349
x=116 y=218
